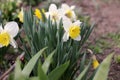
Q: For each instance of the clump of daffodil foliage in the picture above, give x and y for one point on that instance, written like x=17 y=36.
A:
x=53 y=43
x=59 y=30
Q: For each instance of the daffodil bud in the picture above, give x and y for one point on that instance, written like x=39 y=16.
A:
x=95 y=62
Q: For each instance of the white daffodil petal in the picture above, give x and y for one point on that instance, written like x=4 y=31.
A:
x=52 y=8
x=77 y=23
x=72 y=7
x=73 y=15
x=60 y=13
x=13 y=43
x=78 y=38
x=65 y=6
x=1 y=29
x=66 y=23
x=65 y=37
x=1 y=46
x=12 y=28
x=47 y=15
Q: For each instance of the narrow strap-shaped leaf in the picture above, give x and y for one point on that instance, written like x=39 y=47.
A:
x=11 y=76
x=89 y=31
x=28 y=68
x=81 y=75
x=34 y=78
x=57 y=72
x=18 y=71
x=41 y=73
x=47 y=62
x=103 y=69
x=93 y=74
x=82 y=62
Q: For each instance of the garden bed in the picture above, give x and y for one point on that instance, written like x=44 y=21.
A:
x=106 y=15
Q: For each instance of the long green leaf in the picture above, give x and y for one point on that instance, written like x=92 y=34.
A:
x=103 y=69
x=11 y=76
x=47 y=62
x=57 y=72
x=41 y=73
x=18 y=72
x=93 y=74
x=28 y=68
x=34 y=78
x=82 y=63
x=81 y=75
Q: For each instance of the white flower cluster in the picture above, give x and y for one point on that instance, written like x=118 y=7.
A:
x=70 y=23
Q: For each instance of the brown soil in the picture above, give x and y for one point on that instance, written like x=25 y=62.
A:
x=107 y=17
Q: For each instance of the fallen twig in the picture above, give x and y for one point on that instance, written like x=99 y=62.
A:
x=11 y=68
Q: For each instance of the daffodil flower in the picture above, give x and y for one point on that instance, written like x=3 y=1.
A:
x=8 y=33
x=38 y=13
x=72 y=30
x=20 y=15
x=54 y=13
x=68 y=11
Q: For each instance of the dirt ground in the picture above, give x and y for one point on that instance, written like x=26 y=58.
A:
x=106 y=14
